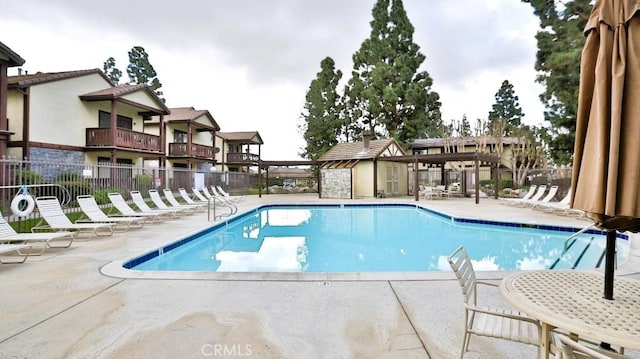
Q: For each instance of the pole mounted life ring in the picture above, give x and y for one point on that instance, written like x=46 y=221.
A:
x=23 y=204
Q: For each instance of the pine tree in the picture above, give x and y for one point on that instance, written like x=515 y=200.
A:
x=465 y=127
x=112 y=72
x=560 y=43
x=141 y=71
x=387 y=92
x=322 y=123
x=506 y=114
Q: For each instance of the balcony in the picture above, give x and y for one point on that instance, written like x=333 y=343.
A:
x=242 y=158
x=197 y=151
x=101 y=137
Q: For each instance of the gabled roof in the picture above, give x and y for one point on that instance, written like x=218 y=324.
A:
x=11 y=58
x=44 y=77
x=252 y=137
x=356 y=150
x=187 y=114
x=111 y=93
x=117 y=92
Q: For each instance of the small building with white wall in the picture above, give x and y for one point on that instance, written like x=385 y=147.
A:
x=363 y=170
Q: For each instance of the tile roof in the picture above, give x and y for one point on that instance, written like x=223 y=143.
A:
x=44 y=77
x=186 y=114
x=9 y=56
x=112 y=93
x=355 y=150
x=252 y=137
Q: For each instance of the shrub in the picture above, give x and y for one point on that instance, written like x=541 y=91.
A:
x=28 y=177
x=101 y=195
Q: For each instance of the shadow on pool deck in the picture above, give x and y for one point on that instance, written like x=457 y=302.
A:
x=59 y=305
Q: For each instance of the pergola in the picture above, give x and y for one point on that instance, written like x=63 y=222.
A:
x=440 y=158
x=443 y=158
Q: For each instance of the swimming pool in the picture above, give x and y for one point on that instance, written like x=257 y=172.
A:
x=367 y=238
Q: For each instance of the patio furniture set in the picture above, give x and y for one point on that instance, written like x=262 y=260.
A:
x=561 y=312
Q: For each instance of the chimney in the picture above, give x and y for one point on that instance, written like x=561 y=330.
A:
x=19 y=71
x=366 y=136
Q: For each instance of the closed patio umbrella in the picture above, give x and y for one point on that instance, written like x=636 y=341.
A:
x=606 y=165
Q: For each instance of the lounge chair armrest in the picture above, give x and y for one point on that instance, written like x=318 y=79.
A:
x=501 y=312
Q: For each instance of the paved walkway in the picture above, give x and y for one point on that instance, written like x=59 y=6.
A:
x=60 y=305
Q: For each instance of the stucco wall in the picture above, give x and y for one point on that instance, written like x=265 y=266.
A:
x=57 y=115
x=363 y=179
x=335 y=183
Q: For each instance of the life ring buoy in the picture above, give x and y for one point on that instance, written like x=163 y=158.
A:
x=18 y=206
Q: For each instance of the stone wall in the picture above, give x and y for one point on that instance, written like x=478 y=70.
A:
x=336 y=183
x=56 y=156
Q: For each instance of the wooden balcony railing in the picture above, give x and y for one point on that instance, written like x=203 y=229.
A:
x=197 y=151
x=101 y=137
x=242 y=158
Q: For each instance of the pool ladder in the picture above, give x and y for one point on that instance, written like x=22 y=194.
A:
x=233 y=209
x=570 y=241
x=566 y=247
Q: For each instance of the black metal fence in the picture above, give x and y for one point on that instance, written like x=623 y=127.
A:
x=67 y=180
x=508 y=181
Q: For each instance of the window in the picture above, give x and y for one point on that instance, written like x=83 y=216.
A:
x=104 y=121
x=122 y=169
x=179 y=136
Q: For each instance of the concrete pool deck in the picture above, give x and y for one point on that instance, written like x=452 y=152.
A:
x=60 y=304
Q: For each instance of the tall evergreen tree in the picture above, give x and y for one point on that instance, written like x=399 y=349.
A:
x=560 y=42
x=506 y=115
x=141 y=71
x=465 y=127
x=113 y=73
x=387 y=92
x=322 y=123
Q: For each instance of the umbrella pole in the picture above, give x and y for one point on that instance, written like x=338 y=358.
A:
x=609 y=264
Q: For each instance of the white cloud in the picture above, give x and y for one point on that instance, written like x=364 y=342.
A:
x=250 y=62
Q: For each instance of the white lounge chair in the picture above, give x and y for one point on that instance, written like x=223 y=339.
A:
x=124 y=209
x=142 y=205
x=53 y=218
x=542 y=189
x=221 y=200
x=553 y=190
x=221 y=197
x=19 y=249
x=551 y=206
x=94 y=214
x=189 y=201
x=206 y=192
x=492 y=322
x=201 y=197
x=173 y=202
x=8 y=235
x=511 y=201
x=221 y=192
x=563 y=207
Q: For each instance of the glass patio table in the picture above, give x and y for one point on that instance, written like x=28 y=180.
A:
x=573 y=301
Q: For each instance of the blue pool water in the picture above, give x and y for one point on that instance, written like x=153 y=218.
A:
x=357 y=238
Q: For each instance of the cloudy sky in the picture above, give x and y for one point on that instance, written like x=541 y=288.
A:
x=250 y=62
